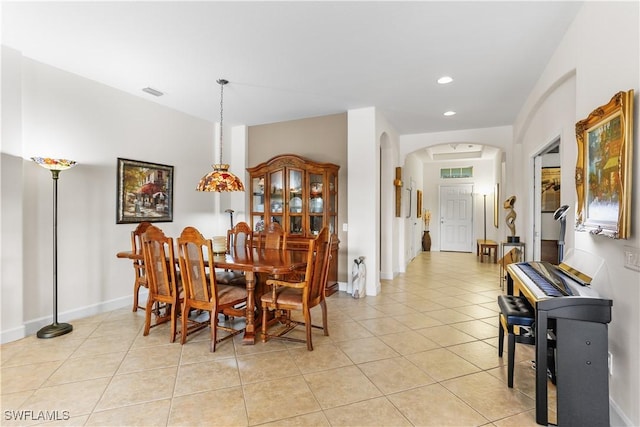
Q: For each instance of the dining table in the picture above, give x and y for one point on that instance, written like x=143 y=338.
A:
x=252 y=261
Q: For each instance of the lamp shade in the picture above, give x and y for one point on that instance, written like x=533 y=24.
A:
x=220 y=180
x=54 y=164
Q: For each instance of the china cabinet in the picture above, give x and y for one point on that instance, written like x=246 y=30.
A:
x=302 y=196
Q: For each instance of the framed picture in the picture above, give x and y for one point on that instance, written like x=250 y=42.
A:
x=409 y=204
x=496 y=206
x=604 y=168
x=550 y=188
x=419 y=202
x=397 y=183
x=145 y=192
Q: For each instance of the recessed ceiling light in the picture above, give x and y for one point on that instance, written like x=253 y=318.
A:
x=444 y=80
x=450 y=113
x=152 y=91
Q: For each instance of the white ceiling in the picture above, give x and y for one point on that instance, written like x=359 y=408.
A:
x=290 y=60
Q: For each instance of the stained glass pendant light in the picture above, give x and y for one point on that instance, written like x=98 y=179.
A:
x=220 y=179
x=55 y=166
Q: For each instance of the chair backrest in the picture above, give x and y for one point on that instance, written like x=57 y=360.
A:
x=239 y=236
x=195 y=252
x=136 y=247
x=318 y=266
x=136 y=236
x=159 y=263
x=273 y=237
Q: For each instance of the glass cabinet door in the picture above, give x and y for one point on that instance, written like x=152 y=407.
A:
x=316 y=203
x=258 y=223
x=332 y=194
x=295 y=201
x=257 y=194
x=332 y=199
x=276 y=200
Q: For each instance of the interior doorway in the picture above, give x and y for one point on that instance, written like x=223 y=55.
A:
x=456 y=218
x=547 y=191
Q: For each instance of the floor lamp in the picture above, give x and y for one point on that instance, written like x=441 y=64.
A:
x=55 y=166
x=484 y=197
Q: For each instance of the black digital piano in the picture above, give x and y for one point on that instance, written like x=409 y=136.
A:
x=571 y=320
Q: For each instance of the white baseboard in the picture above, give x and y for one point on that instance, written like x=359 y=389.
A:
x=386 y=275
x=343 y=286
x=12 y=334
x=30 y=327
x=617 y=418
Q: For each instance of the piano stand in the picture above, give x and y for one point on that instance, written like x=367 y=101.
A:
x=581 y=360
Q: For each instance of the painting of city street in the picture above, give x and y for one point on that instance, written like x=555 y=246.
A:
x=603 y=177
x=145 y=192
x=604 y=168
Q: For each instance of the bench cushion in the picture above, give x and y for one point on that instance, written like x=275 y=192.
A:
x=516 y=310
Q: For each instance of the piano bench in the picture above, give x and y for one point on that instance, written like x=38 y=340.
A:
x=514 y=311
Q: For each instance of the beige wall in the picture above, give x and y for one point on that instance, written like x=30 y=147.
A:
x=54 y=113
x=321 y=139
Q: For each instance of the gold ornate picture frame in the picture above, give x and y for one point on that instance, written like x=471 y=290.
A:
x=604 y=168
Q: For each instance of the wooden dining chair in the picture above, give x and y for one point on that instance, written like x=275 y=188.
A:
x=140 y=279
x=164 y=286
x=273 y=237
x=286 y=296
x=202 y=292
x=237 y=237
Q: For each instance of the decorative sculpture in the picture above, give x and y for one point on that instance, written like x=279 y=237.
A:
x=511 y=219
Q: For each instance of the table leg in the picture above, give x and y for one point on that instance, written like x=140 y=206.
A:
x=250 y=329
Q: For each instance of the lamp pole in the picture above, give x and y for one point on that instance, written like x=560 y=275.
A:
x=231 y=242
x=484 y=197
x=55 y=166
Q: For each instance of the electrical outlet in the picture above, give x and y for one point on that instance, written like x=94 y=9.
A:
x=610 y=363
x=632 y=258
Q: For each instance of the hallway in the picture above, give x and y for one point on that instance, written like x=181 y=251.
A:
x=423 y=352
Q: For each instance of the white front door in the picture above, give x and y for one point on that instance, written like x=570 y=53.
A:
x=456 y=222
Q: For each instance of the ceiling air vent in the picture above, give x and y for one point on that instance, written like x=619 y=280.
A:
x=152 y=91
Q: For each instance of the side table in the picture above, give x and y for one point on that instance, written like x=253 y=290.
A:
x=485 y=247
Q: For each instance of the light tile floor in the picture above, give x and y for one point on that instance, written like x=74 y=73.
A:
x=422 y=353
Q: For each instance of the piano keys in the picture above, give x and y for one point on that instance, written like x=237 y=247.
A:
x=570 y=310
x=544 y=276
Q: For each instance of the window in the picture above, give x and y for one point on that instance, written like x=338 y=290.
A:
x=446 y=173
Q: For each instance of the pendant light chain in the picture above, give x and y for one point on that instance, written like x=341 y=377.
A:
x=221 y=82
x=220 y=179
